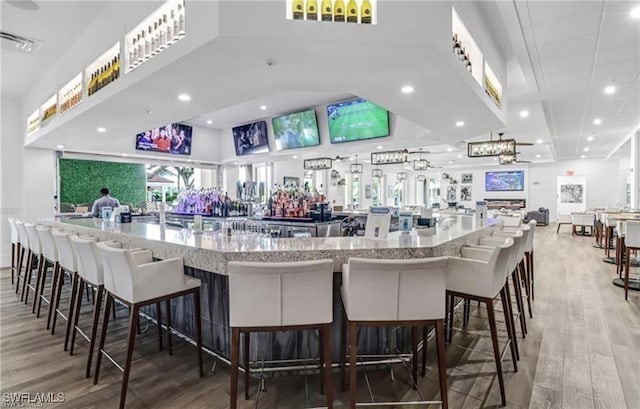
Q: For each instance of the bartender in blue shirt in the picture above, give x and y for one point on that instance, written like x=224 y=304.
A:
x=104 y=201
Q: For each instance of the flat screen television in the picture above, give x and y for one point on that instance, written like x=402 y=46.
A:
x=172 y=138
x=504 y=181
x=297 y=130
x=357 y=120
x=251 y=138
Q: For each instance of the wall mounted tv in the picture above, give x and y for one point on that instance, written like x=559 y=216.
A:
x=297 y=130
x=172 y=138
x=251 y=138
x=357 y=120
x=504 y=181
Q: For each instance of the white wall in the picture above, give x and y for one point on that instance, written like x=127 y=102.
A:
x=11 y=170
x=40 y=180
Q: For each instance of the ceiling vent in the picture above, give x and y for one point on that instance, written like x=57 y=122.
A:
x=20 y=44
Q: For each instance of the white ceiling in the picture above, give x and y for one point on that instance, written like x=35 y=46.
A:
x=576 y=49
x=57 y=23
x=573 y=50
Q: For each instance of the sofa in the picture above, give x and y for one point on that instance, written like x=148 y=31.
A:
x=541 y=216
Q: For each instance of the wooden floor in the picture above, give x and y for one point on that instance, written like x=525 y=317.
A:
x=582 y=351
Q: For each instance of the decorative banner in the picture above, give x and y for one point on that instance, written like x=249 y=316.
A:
x=466 y=178
x=318 y=163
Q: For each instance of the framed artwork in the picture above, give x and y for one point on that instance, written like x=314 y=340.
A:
x=465 y=193
x=466 y=178
x=571 y=193
x=367 y=191
x=291 y=181
x=452 y=193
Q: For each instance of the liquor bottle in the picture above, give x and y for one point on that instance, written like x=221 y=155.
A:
x=181 y=26
x=327 y=11
x=366 y=12
x=457 y=49
x=175 y=17
x=117 y=69
x=352 y=11
x=312 y=10
x=159 y=29
x=170 y=29
x=297 y=8
x=163 y=33
x=338 y=11
x=147 y=44
x=132 y=53
x=153 y=43
x=140 y=52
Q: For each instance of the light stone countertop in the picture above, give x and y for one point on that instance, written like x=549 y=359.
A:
x=211 y=251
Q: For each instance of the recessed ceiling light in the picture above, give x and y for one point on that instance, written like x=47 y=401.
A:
x=263 y=107
x=209 y=121
x=59 y=146
x=102 y=130
x=407 y=89
x=459 y=156
x=295 y=156
x=184 y=97
x=635 y=12
x=379 y=146
x=583 y=156
x=123 y=154
x=539 y=141
x=597 y=121
x=609 y=89
x=460 y=124
x=235 y=163
x=586 y=149
x=449 y=149
x=524 y=114
x=538 y=156
x=450 y=162
x=495 y=158
x=590 y=138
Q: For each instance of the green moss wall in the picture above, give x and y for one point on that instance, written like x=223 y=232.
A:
x=81 y=181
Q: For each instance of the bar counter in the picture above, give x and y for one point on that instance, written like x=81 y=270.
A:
x=206 y=256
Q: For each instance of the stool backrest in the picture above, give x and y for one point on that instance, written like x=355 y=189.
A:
x=510 y=220
x=89 y=262
x=280 y=294
x=505 y=258
x=119 y=268
x=49 y=249
x=529 y=245
x=395 y=290
x=34 y=239
x=582 y=219
x=66 y=255
x=517 y=250
x=14 y=230
x=632 y=234
x=22 y=234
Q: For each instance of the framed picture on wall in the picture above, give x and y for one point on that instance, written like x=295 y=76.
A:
x=466 y=178
x=291 y=181
x=465 y=193
x=571 y=193
x=452 y=192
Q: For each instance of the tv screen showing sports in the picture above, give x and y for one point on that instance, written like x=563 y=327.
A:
x=251 y=138
x=504 y=181
x=357 y=120
x=172 y=138
x=297 y=130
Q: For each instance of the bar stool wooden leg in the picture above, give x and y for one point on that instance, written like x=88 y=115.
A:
x=133 y=324
x=76 y=288
x=442 y=363
x=512 y=322
x=103 y=336
x=19 y=274
x=414 y=356
x=73 y=317
x=510 y=330
x=343 y=353
x=159 y=318
x=169 y=341
x=321 y=358
x=57 y=303
x=13 y=262
x=94 y=326
x=425 y=334
x=496 y=349
x=532 y=271
x=353 y=354
x=523 y=277
x=626 y=272
x=27 y=274
x=235 y=357
x=41 y=289
x=52 y=295
x=519 y=304
x=41 y=268
x=326 y=354
x=247 y=368
x=198 y=327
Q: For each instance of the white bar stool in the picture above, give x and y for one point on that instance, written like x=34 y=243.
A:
x=66 y=264
x=480 y=275
x=23 y=251
x=288 y=296
x=50 y=257
x=632 y=242
x=35 y=248
x=136 y=280
x=529 y=260
x=411 y=293
x=509 y=220
x=89 y=272
x=15 y=248
x=521 y=273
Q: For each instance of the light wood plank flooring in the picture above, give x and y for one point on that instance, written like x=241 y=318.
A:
x=581 y=352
